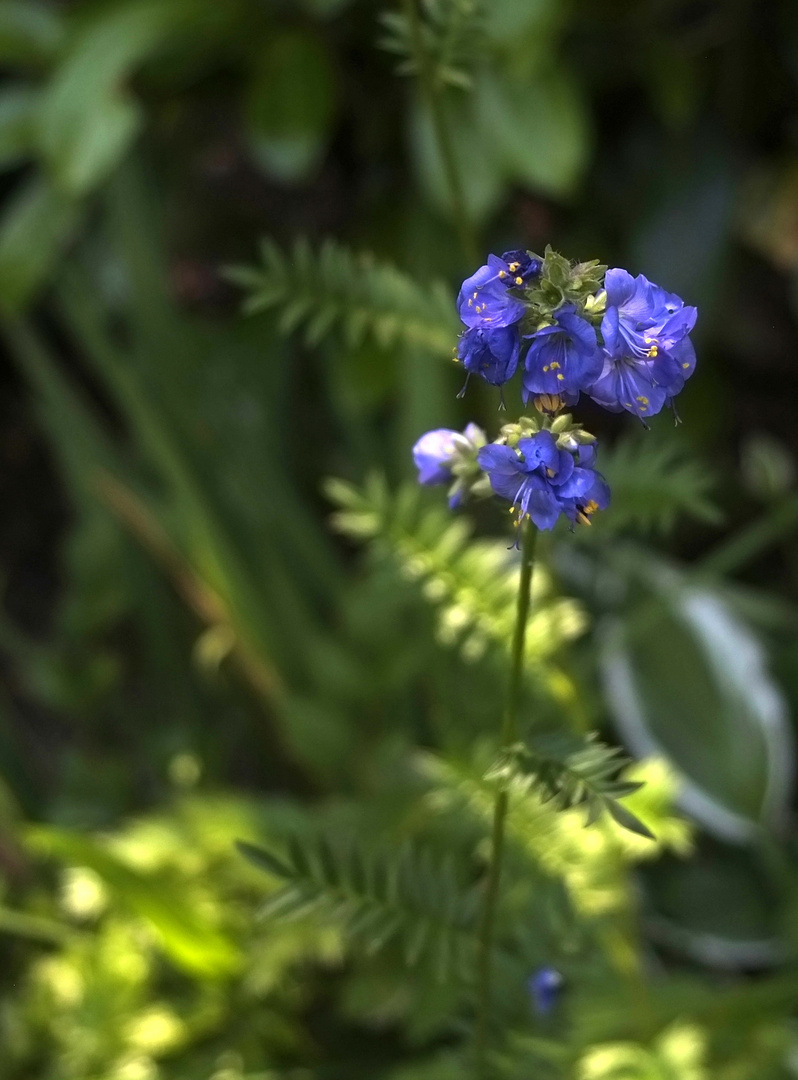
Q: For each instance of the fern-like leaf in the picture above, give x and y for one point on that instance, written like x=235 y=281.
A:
x=451 y=36
x=653 y=484
x=378 y=898
x=473 y=583
x=570 y=773
x=334 y=289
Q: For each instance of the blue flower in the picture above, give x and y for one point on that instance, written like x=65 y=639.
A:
x=543 y=481
x=648 y=354
x=443 y=456
x=562 y=359
x=485 y=300
x=544 y=988
x=434 y=454
x=493 y=354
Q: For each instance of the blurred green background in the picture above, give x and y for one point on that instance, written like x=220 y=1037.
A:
x=193 y=653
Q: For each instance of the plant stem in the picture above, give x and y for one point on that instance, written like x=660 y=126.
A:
x=508 y=737
x=432 y=92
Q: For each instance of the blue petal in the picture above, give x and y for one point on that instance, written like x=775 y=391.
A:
x=578 y=485
x=432 y=455
x=505 y=470
x=538 y=500
x=540 y=449
x=632 y=386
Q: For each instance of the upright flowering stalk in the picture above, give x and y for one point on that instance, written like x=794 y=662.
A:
x=571 y=328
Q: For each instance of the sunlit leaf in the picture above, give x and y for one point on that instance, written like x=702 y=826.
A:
x=190 y=939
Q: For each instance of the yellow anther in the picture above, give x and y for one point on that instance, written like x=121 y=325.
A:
x=550 y=472
x=561 y=378
x=514 y=266
x=470 y=301
x=519 y=281
x=502 y=273
x=545 y=367
x=584 y=515
x=548 y=403
x=555 y=365
x=653 y=351
x=642 y=400
x=685 y=366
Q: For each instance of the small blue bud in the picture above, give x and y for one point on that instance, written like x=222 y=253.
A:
x=521 y=264
x=544 y=988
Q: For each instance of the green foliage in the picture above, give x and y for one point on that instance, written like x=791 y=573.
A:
x=179 y=626
x=192 y=942
x=290 y=105
x=37 y=227
x=561 y=282
x=334 y=289
x=473 y=583
x=407 y=895
x=450 y=31
x=654 y=483
x=571 y=773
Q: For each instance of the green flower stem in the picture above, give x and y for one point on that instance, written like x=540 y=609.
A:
x=432 y=91
x=508 y=737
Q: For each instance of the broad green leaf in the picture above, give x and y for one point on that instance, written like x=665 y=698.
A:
x=88 y=118
x=17 y=113
x=290 y=105
x=722 y=910
x=537 y=130
x=687 y=679
x=38 y=223
x=193 y=942
x=30 y=33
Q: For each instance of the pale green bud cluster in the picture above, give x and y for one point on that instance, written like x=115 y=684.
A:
x=568 y=434
x=469 y=481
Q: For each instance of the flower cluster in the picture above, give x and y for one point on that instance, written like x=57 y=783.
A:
x=542 y=471
x=542 y=481
x=623 y=341
x=574 y=329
